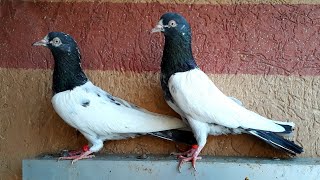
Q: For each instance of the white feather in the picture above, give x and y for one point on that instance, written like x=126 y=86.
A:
x=199 y=99
x=213 y=128
x=100 y=116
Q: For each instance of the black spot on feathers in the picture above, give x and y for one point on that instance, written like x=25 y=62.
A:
x=85 y=103
x=113 y=100
x=110 y=97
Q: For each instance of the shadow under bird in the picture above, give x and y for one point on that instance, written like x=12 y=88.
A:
x=98 y=115
x=192 y=94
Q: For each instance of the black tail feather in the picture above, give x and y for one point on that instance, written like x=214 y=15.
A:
x=277 y=141
x=175 y=135
x=288 y=129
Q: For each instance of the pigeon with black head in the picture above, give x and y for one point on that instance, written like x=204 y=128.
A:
x=98 y=115
x=192 y=94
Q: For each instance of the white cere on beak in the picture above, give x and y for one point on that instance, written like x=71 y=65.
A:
x=46 y=38
x=159 y=27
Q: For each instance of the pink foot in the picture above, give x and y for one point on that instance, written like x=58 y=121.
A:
x=85 y=153
x=186 y=159
x=74 y=153
x=191 y=157
x=187 y=153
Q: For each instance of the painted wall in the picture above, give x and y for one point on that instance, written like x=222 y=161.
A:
x=266 y=55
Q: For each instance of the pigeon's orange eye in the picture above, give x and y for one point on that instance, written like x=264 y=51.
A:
x=172 y=23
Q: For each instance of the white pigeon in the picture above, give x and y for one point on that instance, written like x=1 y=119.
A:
x=192 y=94
x=98 y=115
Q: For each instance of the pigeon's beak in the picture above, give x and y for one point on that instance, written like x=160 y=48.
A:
x=159 y=27
x=42 y=42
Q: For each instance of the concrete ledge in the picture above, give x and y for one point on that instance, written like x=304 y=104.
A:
x=161 y=167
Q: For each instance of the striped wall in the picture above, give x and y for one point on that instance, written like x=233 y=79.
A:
x=229 y=39
x=265 y=53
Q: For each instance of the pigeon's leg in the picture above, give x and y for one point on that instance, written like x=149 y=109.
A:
x=74 y=153
x=75 y=158
x=97 y=144
x=85 y=155
x=194 y=157
x=77 y=155
x=187 y=153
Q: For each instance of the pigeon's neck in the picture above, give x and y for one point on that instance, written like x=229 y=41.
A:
x=67 y=72
x=177 y=55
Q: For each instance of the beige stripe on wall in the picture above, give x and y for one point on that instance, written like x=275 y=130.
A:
x=27 y=93
x=29 y=126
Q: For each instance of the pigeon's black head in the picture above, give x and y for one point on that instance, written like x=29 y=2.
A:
x=177 y=51
x=67 y=72
x=172 y=25
x=58 y=42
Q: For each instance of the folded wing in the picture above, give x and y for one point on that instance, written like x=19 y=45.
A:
x=90 y=108
x=196 y=95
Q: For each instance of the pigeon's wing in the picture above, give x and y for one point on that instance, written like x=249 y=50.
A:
x=181 y=113
x=117 y=100
x=90 y=108
x=196 y=95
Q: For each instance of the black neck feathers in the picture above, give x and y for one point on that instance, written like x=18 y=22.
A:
x=177 y=57
x=67 y=72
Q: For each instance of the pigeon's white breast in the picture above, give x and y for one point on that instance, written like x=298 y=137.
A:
x=66 y=105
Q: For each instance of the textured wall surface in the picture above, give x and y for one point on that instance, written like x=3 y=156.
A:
x=266 y=55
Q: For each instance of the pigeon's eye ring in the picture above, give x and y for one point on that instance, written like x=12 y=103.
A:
x=172 y=23
x=56 y=41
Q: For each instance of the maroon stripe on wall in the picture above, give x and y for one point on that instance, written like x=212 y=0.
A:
x=246 y=39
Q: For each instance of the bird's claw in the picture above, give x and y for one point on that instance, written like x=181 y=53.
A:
x=186 y=159
x=187 y=153
x=194 y=162
x=85 y=157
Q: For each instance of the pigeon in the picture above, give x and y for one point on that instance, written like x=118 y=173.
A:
x=95 y=113
x=202 y=106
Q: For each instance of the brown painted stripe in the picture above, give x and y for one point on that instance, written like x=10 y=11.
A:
x=193 y=1
x=229 y=39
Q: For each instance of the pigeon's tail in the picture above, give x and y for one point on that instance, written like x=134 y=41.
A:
x=176 y=135
x=277 y=141
x=288 y=126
